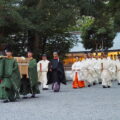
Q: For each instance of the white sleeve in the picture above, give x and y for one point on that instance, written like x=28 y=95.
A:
x=38 y=66
x=73 y=66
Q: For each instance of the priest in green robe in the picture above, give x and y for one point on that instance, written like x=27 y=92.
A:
x=1 y=68
x=33 y=86
x=33 y=76
x=10 y=85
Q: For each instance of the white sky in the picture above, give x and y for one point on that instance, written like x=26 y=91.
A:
x=79 y=46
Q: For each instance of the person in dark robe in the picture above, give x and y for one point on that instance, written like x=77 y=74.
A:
x=56 y=74
x=25 y=86
x=10 y=85
x=33 y=76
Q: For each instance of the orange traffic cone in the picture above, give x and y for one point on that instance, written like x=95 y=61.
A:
x=75 y=82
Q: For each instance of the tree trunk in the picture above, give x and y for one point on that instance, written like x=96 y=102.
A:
x=44 y=45
x=40 y=4
x=36 y=45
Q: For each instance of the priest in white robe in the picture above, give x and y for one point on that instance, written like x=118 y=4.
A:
x=42 y=68
x=77 y=73
x=106 y=73
x=118 y=69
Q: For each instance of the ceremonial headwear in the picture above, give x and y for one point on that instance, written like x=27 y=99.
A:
x=9 y=49
x=30 y=51
x=55 y=52
x=44 y=55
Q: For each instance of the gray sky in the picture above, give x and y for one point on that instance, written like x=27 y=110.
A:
x=79 y=46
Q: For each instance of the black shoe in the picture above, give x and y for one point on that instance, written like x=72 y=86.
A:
x=109 y=86
x=33 y=96
x=100 y=82
x=104 y=87
x=56 y=91
x=39 y=83
x=5 y=101
x=12 y=100
x=118 y=83
x=94 y=83
x=89 y=85
x=25 y=97
x=45 y=88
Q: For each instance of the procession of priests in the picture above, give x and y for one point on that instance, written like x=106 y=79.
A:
x=13 y=84
x=95 y=70
x=90 y=71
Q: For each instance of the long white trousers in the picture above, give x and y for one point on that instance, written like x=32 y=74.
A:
x=42 y=77
x=118 y=76
x=106 y=78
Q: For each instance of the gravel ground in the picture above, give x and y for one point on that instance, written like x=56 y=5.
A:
x=93 y=103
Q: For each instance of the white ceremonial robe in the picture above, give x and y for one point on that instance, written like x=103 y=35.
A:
x=75 y=69
x=114 y=70
x=106 y=73
x=118 y=70
x=78 y=77
x=81 y=72
x=84 y=70
x=42 y=68
x=97 y=67
x=88 y=71
x=94 y=71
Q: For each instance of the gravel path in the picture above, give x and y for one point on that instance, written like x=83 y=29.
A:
x=93 y=103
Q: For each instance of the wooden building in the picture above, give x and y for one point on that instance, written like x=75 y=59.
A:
x=70 y=57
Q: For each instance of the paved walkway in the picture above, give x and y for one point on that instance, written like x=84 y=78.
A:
x=93 y=103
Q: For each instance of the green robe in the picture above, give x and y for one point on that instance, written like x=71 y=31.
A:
x=30 y=85
x=1 y=67
x=9 y=88
x=33 y=76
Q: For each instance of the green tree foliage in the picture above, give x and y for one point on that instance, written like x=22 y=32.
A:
x=114 y=9
x=10 y=19
x=45 y=25
x=47 y=22
x=97 y=30
x=96 y=37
